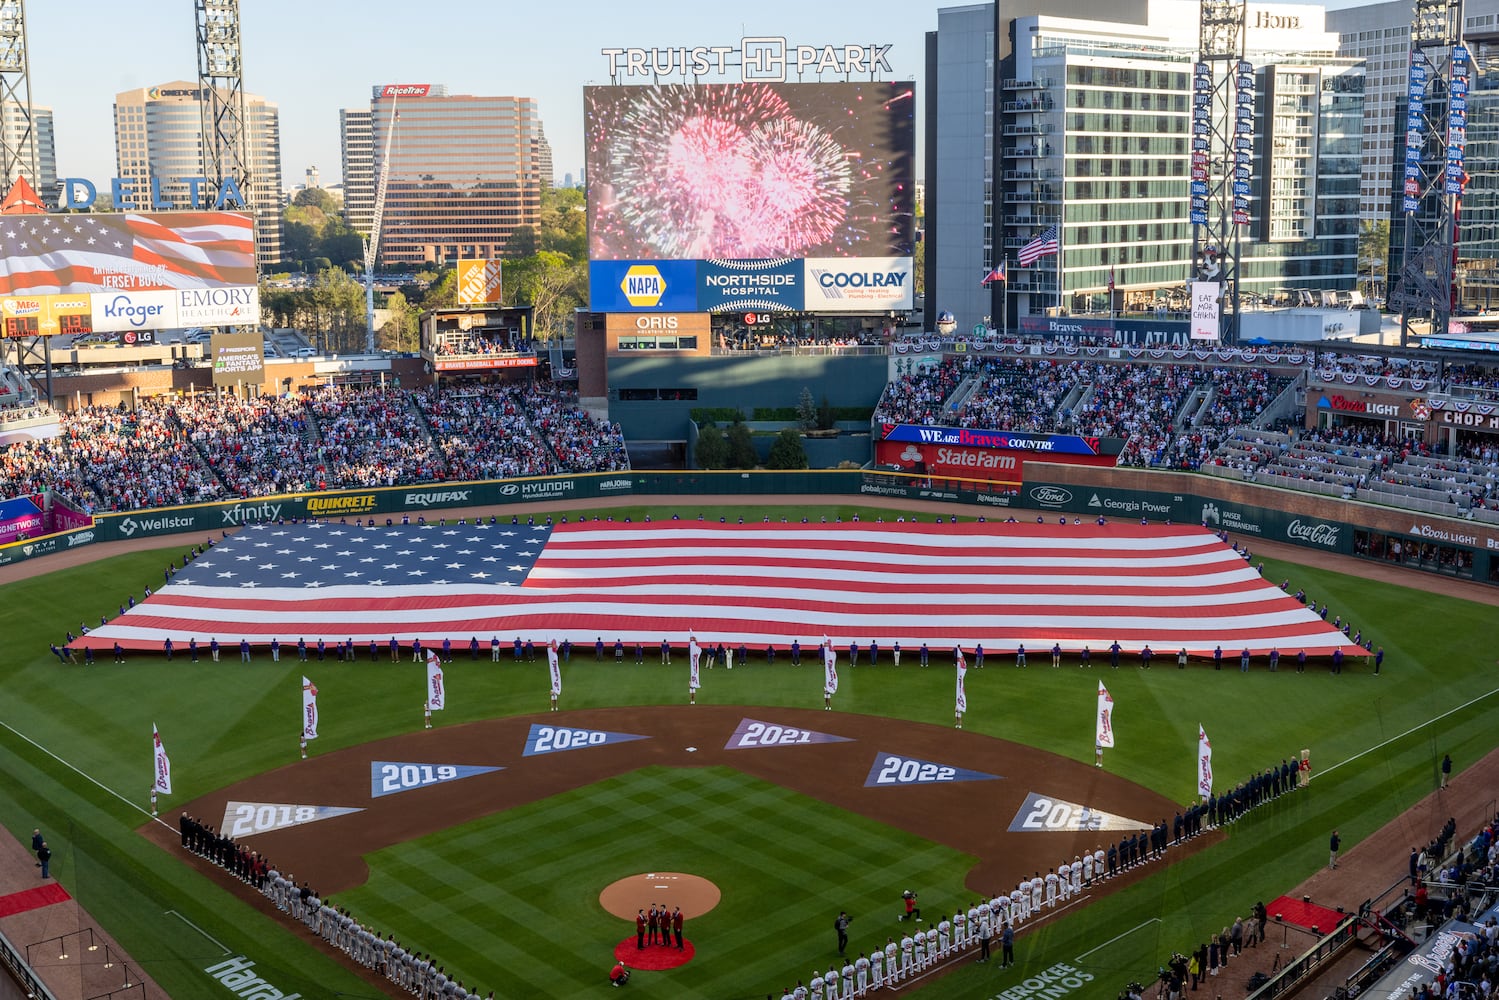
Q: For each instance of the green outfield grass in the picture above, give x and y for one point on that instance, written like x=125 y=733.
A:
x=225 y=722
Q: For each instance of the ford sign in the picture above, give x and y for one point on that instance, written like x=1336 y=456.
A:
x=1050 y=496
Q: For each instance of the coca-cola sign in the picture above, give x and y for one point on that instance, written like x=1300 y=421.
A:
x=1314 y=533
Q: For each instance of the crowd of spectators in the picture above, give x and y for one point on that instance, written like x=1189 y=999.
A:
x=472 y=343
x=179 y=450
x=745 y=339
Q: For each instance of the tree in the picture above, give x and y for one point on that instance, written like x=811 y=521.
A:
x=399 y=331
x=825 y=415
x=712 y=449
x=806 y=409
x=442 y=293
x=1373 y=255
x=316 y=198
x=552 y=284
x=787 y=451
x=741 y=447
x=522 y=242
x=339 y=310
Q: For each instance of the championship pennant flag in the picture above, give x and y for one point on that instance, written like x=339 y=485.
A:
x=162 y=782
x=1104 y=735
x=436 y=690
x=962 y=703
x=1204 y=763
x=309 y=710
x=829 y=668
x=555 y=669
x=1169 y=586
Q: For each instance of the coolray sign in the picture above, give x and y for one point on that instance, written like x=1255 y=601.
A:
x=622 y=286
x=1314 y=533
x=325 y=506
x=1065 y=444
x=155 y=525
x=773 y=285
x=250 y=513
x=438 y=499
x=116 y=311
x=237 y=974
x=857 y=284
x=228 y=306
x=761 y=59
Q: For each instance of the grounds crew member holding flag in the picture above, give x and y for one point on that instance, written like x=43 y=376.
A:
x=694 y=658
x=436 y=695
x=309 y=714
x=830 y=673
x=162 y=780
x=1103 y=734
x=556 y=671
x=961 y=705
x=1204 y=763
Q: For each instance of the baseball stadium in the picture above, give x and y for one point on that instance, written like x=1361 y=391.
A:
x=764 y=635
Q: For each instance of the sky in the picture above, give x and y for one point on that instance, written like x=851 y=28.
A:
x=313 y=57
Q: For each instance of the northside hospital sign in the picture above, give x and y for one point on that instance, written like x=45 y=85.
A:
x=761 y=59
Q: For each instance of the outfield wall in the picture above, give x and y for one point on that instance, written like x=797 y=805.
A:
x=1456 y=547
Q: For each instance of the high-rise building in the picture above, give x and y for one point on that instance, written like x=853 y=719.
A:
x=1086 y=124
x=159 y=134
x=464 y=171
x=43 y=139
x=358 y=168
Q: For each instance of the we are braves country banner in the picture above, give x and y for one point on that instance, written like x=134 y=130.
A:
x=162 y=782
x=436 y=691
x=309 y=710
x=1104 y=737
x=555 y=669
x=694 y=656
x=962 y=702
x=1204 y=764
x=829 y=668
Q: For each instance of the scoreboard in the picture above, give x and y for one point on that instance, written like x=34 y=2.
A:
x=46 y=315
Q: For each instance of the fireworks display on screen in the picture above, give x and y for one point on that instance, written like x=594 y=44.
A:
x=739 y=171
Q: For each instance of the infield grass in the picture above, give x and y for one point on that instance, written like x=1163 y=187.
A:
x=223 y=722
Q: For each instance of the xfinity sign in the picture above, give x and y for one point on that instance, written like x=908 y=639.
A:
x=759 y=59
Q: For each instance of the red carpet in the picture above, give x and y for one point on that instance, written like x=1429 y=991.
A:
x=32 y=899
x=1308 y=915
x=653 y=957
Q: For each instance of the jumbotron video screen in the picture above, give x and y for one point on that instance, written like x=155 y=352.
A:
x=740 y=171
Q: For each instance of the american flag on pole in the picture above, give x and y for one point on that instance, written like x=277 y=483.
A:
x=1042 y=246
x=73 y=254
x=1001 y=585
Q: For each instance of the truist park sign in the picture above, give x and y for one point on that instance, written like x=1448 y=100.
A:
x=759 y=59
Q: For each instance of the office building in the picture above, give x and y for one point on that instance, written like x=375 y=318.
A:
x=159 y=134
x=41 y=143
x=464 y=172
x=1088 y=125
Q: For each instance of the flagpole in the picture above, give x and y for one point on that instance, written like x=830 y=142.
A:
x=1004 y=301
x=1059 y=264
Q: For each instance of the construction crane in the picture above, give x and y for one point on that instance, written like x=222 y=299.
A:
x=372 y=242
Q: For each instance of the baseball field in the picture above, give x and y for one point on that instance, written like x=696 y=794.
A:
x=498 y=873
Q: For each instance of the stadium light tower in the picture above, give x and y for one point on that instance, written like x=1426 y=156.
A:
x=221 y=95
x=1222 y=138
x=1435 y=128
x=18 y=152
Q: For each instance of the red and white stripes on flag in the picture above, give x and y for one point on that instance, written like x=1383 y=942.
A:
x=829 y=668
x=554 y=668
x=1104 y=734
x=437 y=695
x=961 y=705
x=162 y=781
x=694 y=660
x=1204 y=763
x=309 y=710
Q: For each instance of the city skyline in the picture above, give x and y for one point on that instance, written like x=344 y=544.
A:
x=313 y=60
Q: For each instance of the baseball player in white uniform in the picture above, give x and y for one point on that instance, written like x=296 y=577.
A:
x=906 y=946
x=1087 y=869
x=1064 y=881
x=1077 y=874
x=1037 y=885
x=1020 y=904
x=891 y=950
x=1099 y=869
x=920 y=962
x=944 y=937
x=1053 y=887
x=877 y=967
x=861 y=975
x=848 y=979
x=986 y=925
x=815 y=985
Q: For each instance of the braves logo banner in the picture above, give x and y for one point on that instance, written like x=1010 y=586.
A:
x=962 y=702
x=436 y=694
x=1204 y=764
x=829 y=667
x=555 y=669
x=309 y=710
x=162 y=782
x=1104 y=737
x=694 y=656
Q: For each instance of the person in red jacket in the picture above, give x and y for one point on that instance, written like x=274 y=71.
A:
x=676 y=926
x=640 y=930
x=619 y=975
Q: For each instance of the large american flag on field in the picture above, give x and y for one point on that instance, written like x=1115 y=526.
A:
x=996 y=584
x=73 y=254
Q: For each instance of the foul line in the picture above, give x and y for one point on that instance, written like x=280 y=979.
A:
x=1116 y=937
x=88 y=777
x=1413 y=729
x=198 y=929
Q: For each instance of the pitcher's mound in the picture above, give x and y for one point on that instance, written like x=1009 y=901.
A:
x=693 y=893
x=653 y=957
